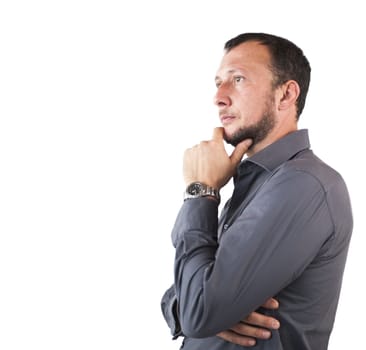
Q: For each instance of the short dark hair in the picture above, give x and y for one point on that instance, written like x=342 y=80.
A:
x=288 y=61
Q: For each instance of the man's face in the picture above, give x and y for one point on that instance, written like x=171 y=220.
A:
x=245 y=96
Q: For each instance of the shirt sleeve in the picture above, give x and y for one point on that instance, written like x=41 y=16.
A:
x=169 y=310
x=273 y=240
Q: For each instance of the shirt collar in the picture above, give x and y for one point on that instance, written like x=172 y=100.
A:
x=281 y=150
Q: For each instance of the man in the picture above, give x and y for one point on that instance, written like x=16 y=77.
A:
x=285 y=231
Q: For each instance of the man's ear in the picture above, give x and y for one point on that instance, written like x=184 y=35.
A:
x=289 y=93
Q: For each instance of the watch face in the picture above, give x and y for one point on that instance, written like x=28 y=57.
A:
x=195 y=188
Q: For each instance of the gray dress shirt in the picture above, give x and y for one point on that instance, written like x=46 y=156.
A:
x=285 y=234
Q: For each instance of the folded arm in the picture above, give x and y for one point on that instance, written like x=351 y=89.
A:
x=255 y=326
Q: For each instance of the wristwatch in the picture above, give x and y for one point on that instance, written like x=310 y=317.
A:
x=199 y=189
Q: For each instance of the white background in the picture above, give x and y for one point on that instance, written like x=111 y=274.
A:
x=98 y=100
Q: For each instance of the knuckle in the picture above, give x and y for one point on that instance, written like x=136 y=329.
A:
x=252 y=318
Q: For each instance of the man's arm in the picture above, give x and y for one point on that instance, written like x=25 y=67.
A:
x=255 y=326
x=245 y=333
x=269 y=245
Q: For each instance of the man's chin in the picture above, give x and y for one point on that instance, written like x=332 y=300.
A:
x=234 y=139
x=228 y=138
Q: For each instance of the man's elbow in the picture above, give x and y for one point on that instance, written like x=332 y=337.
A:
x=199 y=327
x=196 y=332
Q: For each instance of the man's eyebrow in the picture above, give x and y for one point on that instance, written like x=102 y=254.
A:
x=230 y=71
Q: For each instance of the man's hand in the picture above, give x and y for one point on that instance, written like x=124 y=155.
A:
x=209 y=163
x=255 y=326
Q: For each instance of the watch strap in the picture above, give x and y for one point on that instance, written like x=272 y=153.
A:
x=201 y=190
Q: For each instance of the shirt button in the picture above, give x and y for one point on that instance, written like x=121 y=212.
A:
x=226 y=226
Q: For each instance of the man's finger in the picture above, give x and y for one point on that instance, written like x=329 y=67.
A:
x=218 y=134
x=271 y=304
x=257 y=319
x=239 y=151
x=236 y=338
x=251 y=331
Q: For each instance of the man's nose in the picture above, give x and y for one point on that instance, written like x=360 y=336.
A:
x=222 y=96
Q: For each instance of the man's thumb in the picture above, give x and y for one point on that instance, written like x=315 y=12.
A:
x=240 y=150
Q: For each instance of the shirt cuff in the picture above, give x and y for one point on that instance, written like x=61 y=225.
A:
x=169 y=305
x=199 y=214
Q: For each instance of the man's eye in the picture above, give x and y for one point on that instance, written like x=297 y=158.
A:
x=238 y=79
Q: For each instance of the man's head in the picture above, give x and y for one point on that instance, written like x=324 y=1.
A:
x=287 y=61
x=262 y=84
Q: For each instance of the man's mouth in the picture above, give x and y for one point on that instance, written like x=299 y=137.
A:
x=226 y=119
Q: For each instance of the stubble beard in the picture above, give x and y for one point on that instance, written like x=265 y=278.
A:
x=257 y=132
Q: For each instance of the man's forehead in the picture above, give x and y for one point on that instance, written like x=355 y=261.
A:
x=245 y=57
x=247 y=52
